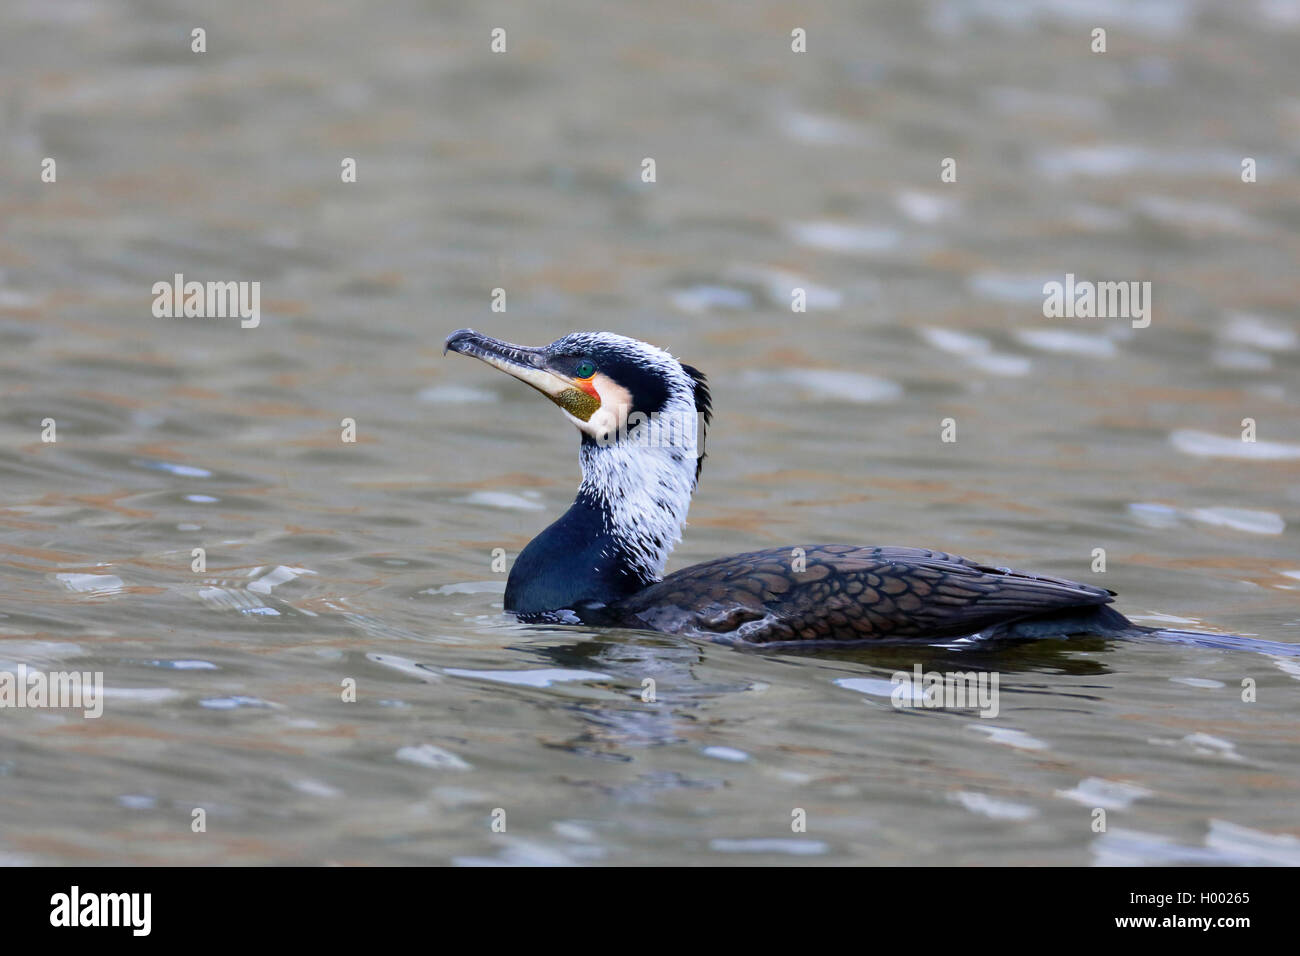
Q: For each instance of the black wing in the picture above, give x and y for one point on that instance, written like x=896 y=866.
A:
x=847 y=593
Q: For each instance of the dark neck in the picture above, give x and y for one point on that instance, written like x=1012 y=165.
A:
x=616 y=537
x=577 y=560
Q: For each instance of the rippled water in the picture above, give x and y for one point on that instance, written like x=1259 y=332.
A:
x=329 y=562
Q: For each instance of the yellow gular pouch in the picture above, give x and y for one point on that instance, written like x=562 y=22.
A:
x=578 y=403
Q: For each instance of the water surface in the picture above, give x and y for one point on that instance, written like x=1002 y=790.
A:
x=371 y=562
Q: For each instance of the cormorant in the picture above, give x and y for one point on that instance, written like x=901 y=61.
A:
x=601 y=563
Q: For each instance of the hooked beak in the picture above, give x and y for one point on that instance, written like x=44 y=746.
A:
x=530 y=366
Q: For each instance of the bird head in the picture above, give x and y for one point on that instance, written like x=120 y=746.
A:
x=615 y=389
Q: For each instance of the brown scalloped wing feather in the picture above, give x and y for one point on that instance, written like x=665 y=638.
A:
x=848 y=593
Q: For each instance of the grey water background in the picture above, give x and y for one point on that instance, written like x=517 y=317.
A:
x=371 y=562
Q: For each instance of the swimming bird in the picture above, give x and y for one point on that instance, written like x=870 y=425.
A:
x=641 y=414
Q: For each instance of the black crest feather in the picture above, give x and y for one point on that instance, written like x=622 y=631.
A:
x=703 y=405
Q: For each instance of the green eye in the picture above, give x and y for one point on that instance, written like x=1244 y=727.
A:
x=586 y=369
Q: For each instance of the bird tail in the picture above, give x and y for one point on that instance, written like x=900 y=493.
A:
x=1229 y=642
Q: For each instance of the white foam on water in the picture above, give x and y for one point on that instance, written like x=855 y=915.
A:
x=992 y=807
x=91 y=583
x=1119 y=846
x=502 y=499
x=431 y=757
x=698 y=299
x=1011 y=738
x=778 y=285
x=1110 y=160
x=1000 y=363
x=878 y=687
x=770 y=845
x=404 y=665
x=469 y=587
x=232 y=599
x=1067 y=341
x=1241 y=360
x=234 y=702
x=1258 y=332
x=1240 y=519
x=535 y=678
x=183 y=471
x=457 y=395
x=278 y=576
x=1271 y=849
x=976 y=351
x=1107 y=794
x=844 y=237
x=1288 y=667
x=821 y=384
x=1202 y=682
x=1201 y=744
x=316 y=788
x=1154 y=515
x=958 y=343
x=926 y=208
x=819 y=129
x=186 y=665
x=725 y=753
x=1004 y=287
x=1207 y=445
x=1194 y=215
x=141 y=695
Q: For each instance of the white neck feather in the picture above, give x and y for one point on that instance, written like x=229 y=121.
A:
x=643 y=483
